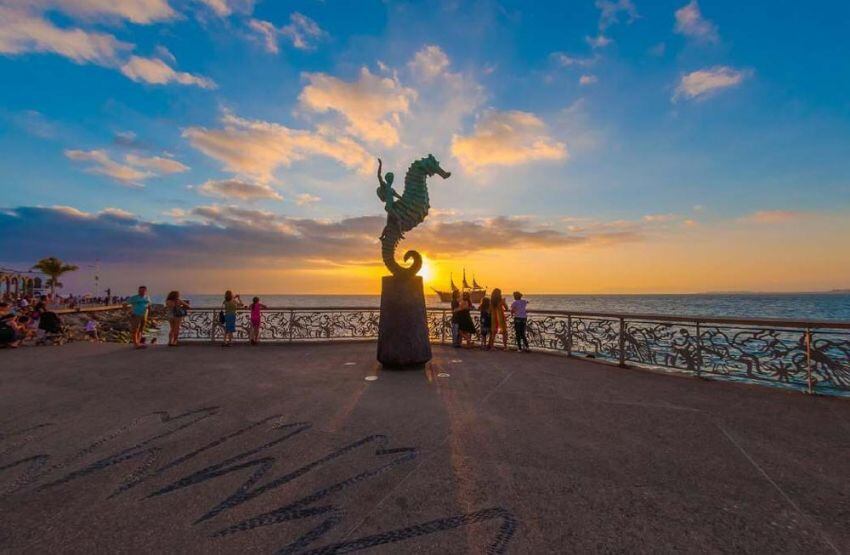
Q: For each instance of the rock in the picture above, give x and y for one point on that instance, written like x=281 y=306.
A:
x=403 y=339
x=112 y=325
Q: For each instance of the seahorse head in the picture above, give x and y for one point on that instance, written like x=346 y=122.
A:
x=431 y=166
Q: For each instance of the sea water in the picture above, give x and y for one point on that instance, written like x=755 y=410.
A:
x=804 y=306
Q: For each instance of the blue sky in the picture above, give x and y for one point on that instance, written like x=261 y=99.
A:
x=578 y=129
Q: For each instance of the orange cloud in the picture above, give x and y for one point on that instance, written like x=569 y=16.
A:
x=157 y=72
x=237 y=189
x=370 y=106
x=506 y=139
x=702 y=83
x=772 y=216
x=257 y=148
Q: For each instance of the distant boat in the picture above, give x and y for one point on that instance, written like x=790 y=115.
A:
x=476 y=292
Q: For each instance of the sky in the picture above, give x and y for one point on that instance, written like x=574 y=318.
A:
x=596 y=146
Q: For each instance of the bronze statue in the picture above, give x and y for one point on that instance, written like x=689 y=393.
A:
x=405 y=211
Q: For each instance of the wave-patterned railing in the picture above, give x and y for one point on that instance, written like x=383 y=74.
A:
x=812 y=355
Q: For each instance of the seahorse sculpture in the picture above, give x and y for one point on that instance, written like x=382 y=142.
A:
x=406 y=211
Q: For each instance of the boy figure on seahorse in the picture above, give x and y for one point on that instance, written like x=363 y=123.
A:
x=405 y=211
x=388 y=195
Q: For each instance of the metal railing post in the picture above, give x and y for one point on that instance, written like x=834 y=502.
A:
x=443 y=326
x=569 y=335
x=213 y=324
x=622 y=342
x=809 y=359
x=699 y=350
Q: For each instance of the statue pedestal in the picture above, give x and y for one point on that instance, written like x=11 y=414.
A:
x=403 y=328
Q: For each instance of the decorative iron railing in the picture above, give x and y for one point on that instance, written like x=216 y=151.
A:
x=811 y=355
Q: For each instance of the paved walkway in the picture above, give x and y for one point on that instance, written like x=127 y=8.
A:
x=201 y=449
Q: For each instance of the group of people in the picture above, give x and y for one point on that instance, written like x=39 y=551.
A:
x=66 y=301
x=23 y=320
x=227 y=317
x=493 y=320
x=83 y=301
x=140 y=304
x=176 y=309
x=28 y=319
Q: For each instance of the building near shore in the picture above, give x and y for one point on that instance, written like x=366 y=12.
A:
x=16 y=283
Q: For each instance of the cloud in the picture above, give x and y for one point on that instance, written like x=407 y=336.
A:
x=224 y=8
x=104 y=165
x=772 y=216
x=165 y=54
x=176 y=213
x=445 y=99
x=135 y=11
x=267 y=32
x=586 y=80
x=609 y=14
x=302 y=31
x=236 y=189
x=21 y=31
x=506 y=139
x=156 y=164
x=157 y=72
x=660 y=218
x=371 y=106
x=257 y=148
x=429 y=62
x=34 y=123
x=25 y=30
x=448 y=238
x=221 y=236
x=567 y=60
x=691 y=23
x=704 y=82
x=133 y=173
x=599 y=41
x=306 y=198
x=128 y=139
x=611 y=11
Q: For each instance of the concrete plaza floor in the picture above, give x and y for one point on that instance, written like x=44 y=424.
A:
x=290 y=449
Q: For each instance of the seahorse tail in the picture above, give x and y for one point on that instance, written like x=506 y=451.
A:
x=414 y=268
x=389 y=242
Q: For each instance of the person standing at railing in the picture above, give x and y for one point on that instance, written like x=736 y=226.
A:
x=139 y=304
x=231 y=304
x=518 y=310
x=485 y=321
x=466 y=326
x=497 y=315
x=256 y=319
x=175 y=310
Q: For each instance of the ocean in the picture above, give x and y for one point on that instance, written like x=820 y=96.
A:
x=808 y=306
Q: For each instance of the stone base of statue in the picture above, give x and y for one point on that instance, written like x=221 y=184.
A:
x=403 y=329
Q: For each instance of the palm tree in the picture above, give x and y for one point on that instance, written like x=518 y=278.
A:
x=54 y=268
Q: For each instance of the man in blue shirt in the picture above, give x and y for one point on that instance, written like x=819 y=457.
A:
x=139 y=305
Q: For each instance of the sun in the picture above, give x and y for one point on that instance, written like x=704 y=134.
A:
x=427 y=271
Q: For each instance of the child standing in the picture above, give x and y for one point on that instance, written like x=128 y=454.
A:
x=518 y=309
x=91 y=330
x=485 y=321
x=256 y=319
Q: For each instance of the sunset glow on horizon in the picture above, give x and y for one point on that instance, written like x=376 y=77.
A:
x=596 y=146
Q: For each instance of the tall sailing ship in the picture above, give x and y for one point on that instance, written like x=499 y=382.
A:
x=476 y=292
